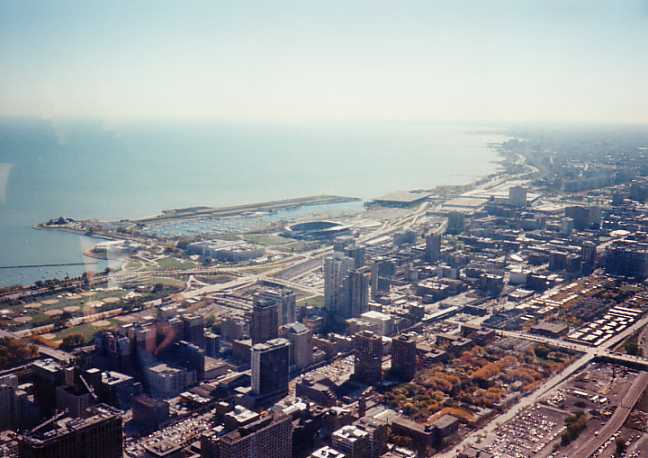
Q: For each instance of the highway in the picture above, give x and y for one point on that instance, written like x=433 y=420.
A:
x=472 y=438
x=602 y=350
x=618 y=418
x=304 y=258
x=589 y=353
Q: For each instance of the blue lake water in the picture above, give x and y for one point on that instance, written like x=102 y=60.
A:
x=108 y=171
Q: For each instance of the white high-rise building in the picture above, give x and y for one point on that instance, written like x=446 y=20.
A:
x=336 y=268
x=286 y=300
x=301 y=345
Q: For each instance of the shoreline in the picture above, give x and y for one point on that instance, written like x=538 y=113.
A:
x=498 y=162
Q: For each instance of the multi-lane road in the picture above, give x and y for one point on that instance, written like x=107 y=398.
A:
x=588 y=354
x=617 y=419
x=602 y=350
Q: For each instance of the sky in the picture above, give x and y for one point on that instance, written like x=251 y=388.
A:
x=265 y=60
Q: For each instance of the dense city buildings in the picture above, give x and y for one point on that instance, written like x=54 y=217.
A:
x=97 y=435
x=149 y=413
x=265 y=437
x=489 y=319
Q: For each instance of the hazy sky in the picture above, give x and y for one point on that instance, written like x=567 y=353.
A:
x=326 y=60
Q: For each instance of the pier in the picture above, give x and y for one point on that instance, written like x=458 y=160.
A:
x=190 y=212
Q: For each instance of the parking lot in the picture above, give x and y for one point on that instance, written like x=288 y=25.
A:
x=528 y=433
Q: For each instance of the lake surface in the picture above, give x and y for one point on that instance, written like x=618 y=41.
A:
x=110 y=171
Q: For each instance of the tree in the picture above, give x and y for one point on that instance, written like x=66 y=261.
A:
x=71 y=341
x=620 y=446
x=542 y=351
x=14 y=352
x=575 y=425
x=632 y=348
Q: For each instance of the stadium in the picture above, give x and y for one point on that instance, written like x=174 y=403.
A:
x=316 y=230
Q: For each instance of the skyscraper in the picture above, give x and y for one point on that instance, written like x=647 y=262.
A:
x=194 y=328
x=285 y=299
x=47 y=376
x=356 y=294
x=336 y=269
x=264 y=324
x=382 y=271
x=456 y=222
x=517 y=196
x=432 y=247
x=270 y=366
x=404 y=357
x=301 y=345
x=212 y=344
x=367 y=367
x=357 y=253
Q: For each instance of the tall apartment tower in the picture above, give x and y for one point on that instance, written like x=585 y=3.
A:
x=433 y=247
x=367 y=367
x=264 y=325
x=404 y=357
x=301 y=345
x=336 y=269
x=212 y=344
x=47 y=376
x=456 y=223
x=194 y=329
x=270 y=369
x=285 y=299
x=382 y=271
x=517 y=196
x=357 y=253
x=98 y=435
x=588 y=255
x=356 y=294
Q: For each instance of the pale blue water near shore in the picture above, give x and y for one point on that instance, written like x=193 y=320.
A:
x=94 y=170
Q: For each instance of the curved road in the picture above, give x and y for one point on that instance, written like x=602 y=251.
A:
x=618 y=418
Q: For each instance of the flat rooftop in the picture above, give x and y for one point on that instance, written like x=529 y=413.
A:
x=57 y=428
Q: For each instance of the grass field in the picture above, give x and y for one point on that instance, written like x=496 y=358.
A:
x=86 y=330
x=267 y=239
x=174 y=283
x=170 y=263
